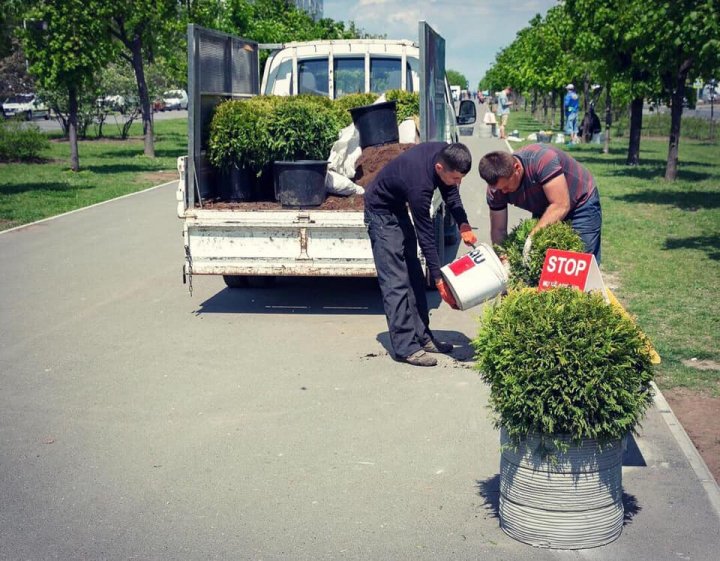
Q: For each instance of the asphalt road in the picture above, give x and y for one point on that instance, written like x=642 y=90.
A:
x=139 y=422
x=112 y=120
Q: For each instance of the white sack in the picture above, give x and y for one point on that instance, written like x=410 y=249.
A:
x=345 y=152
x=337 y=184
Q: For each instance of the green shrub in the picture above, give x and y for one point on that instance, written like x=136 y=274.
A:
x=555 y=236
x=302 y=128
x=239 y=134
x=408 y=103
x=563 y=362
x=21 y=143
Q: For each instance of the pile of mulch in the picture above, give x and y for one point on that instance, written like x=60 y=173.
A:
x=374 y=158
x=370 y=162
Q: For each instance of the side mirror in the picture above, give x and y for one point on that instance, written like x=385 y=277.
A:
x=467 y=114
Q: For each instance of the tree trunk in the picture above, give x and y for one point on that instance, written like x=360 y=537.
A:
x=676 y=109
x=633 y=157
x=137 y=62
x=608 y=119
x=72 y=129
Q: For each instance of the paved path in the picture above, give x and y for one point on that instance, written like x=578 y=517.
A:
x=137 y=422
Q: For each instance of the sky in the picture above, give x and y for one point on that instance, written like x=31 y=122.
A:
x=474 y=30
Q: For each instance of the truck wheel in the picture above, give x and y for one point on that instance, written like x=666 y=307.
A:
x=29 y=116
x=261 y=281
x=235 y=281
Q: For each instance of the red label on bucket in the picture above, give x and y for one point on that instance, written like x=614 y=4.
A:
x=466 y=262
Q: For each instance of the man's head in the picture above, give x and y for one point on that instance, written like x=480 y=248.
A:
x=501 y=171
x=570 y=88
x=453 y=163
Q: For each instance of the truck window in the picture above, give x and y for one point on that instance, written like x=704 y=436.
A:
x=413 y=74
x=313 y=76
x=280 y=80
x=384 y=74
x=349 y=76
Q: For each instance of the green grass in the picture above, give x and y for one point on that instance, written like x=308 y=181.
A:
x=661 y=242
x=109 y=168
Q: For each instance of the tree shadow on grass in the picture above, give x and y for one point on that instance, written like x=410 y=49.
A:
x=17 y=188
x=708 y=244
x=684 y=200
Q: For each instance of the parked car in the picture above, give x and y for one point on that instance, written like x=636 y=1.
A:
x=175 y=99
x=112 y=102
x=27 y=106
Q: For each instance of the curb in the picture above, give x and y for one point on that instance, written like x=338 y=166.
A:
x=86 y=207
x=688 y=448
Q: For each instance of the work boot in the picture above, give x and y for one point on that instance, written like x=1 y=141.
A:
x=433 y=346
x=420 y=358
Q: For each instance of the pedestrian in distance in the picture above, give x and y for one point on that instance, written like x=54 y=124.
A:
x=550 y=184
x=503 y=110
x=571 y=105
x=407 y=184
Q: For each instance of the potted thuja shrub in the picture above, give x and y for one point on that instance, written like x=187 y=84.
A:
x=239 y=147
x=302 y=130
x=569 y=379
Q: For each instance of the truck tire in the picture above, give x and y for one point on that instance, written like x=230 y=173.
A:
x=29 y=116
x=235 y=281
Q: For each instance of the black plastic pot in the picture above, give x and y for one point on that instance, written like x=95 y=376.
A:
x=237 y=184
x=377 y=123
x=300 y=183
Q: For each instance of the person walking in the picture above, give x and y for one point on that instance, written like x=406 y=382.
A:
x=408 y=183
x=503 y=110
x=572 y=106
x=550 y=184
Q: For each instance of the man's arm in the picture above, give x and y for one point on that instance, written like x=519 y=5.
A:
x=498 y=225
x=558 y=195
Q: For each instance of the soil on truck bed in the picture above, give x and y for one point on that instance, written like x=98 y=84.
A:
x=370 y=162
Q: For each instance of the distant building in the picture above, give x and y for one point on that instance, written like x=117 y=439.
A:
x=312 y=7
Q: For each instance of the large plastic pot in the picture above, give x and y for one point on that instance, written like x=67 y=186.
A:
x=376 y=123
x=300 y=183
x=237 y=184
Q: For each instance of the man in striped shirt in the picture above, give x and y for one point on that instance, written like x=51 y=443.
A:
x=547 y=182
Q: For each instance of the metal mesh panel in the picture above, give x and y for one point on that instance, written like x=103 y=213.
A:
x=220 y=67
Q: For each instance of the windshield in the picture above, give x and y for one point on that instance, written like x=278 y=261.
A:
x=22 y=98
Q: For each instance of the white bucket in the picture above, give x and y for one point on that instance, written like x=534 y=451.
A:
x=475 y=277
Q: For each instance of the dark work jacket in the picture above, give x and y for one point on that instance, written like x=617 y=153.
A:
x=410 y=180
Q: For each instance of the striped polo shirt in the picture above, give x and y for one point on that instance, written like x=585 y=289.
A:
x=543 y=163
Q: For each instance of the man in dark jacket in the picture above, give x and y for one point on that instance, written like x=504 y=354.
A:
x=408 y=183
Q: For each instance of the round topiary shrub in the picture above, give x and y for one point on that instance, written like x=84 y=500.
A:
x=302 y=128
x=239 y=134
x=555 y=236
x=563 y=362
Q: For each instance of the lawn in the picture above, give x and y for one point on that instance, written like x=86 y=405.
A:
x=661 y=246
x=110 y=167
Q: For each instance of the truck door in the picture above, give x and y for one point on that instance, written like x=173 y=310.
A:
x=220 y=67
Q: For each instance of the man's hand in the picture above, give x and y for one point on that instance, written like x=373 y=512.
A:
x=467 y=234
x=446 y=295
x=527 y=248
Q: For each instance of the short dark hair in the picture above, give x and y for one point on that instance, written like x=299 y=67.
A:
x=494 y=165
x=456 y=157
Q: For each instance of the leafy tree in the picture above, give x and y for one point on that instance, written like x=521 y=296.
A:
x=456 y=78
x=66 y=45
x=141 y=26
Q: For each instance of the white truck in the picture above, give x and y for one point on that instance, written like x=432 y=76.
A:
x=27 y=106
x=252 y=245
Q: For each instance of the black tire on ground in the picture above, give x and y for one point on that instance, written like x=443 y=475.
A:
x=235 y=281
x=261 y=281
x=29 y=116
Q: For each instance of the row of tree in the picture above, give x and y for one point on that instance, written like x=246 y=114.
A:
x=69 y=44
x=635 y=49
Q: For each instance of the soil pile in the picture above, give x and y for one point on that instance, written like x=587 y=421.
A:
x=374 y=158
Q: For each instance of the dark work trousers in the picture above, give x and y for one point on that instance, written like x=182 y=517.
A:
x=402 y=282
x=587 y=222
